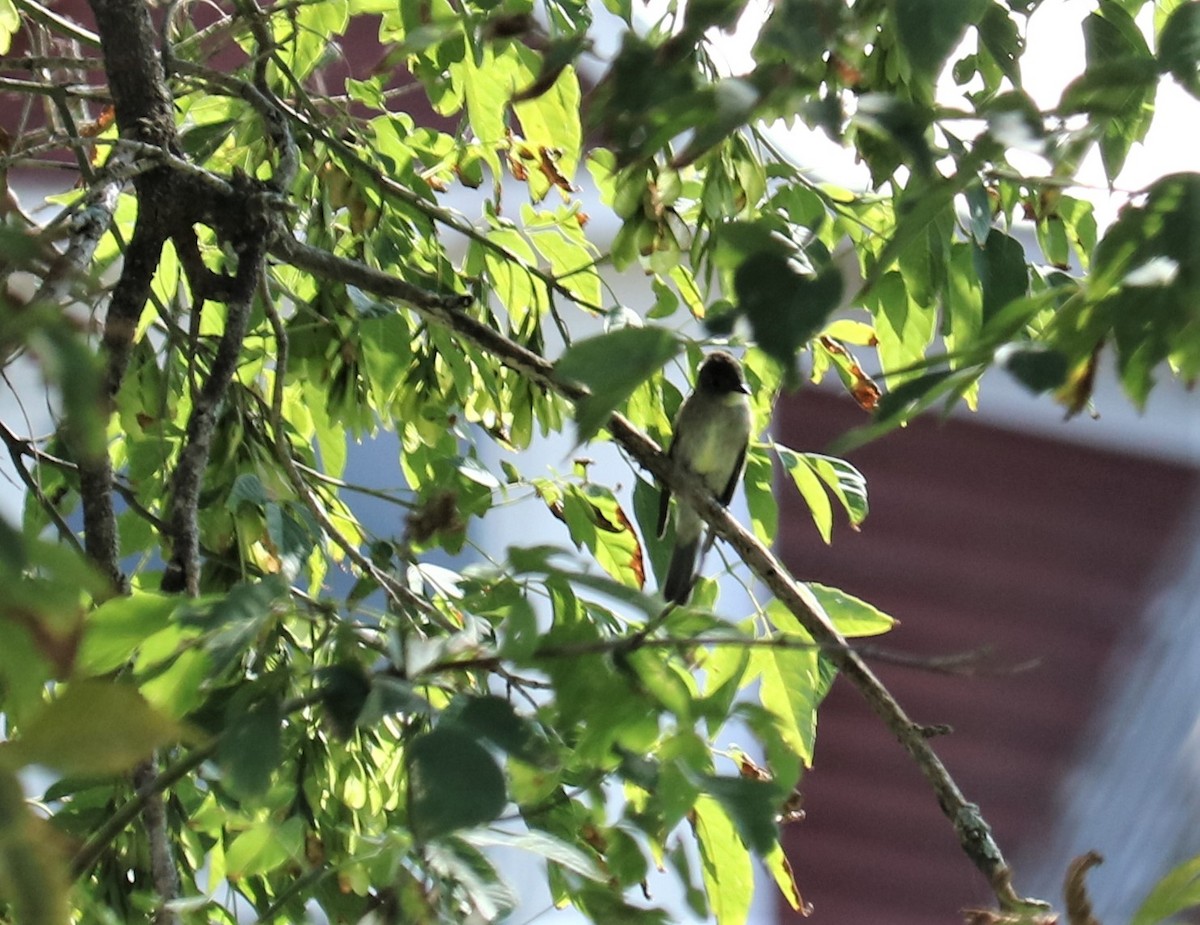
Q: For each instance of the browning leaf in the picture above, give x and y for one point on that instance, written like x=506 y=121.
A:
x=1076 y=393
x=548 y=163
x=107 y=117
x=862 y=387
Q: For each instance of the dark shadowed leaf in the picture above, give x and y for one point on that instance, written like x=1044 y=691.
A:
x=1179 y=46
x=1039 y=369
x=495 y=719
x=251 y=747
x=752 y=805
x=612 y=365
x=785 y=306
x=929 y=29
x=1002 y=270
x=453 y=783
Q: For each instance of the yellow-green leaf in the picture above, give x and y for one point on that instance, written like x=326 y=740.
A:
x=94 y=727
x=728 y=874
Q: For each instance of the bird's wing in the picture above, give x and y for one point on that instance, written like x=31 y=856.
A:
x=664 y=506
x=726 y=494
x=664 y=496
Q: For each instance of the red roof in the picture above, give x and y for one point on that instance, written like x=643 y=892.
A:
x=977 y=536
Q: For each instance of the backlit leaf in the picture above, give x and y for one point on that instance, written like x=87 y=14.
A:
x=93 y=727
x=1177 y=891
x=728 y=874
x=851 y=616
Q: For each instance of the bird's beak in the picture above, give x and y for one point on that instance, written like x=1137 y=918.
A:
x=744 y=389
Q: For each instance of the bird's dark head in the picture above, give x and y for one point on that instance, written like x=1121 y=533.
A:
x=722 y=374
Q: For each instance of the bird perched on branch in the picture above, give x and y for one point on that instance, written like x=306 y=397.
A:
x=712 y=431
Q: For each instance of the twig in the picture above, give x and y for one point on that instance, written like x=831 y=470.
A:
x=16 y=450
x=960 y=664
x=1079 y=905
x=62 y=24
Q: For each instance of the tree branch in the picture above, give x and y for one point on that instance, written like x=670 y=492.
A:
x=162 y=858
x=16 y=451
x=183 y=530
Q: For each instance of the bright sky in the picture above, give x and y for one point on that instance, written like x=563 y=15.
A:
x=1053 y=58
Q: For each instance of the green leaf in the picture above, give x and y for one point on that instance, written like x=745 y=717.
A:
x=930 y=29
x=94 y=727
x=251 y=745
x=898 y=122
x=33 y=875
x=495 y=719
x=233 y=622
x=979 y=207
x=264 y=847
x=1177 y=891
x=1179 y=46
x=488 y=86
x=453 y=783
x=752 y=805
x=115 y=629
x=612 y=365
x=1003 y=272
x=815 y=474
x=507 y=261
x=293 y=533
x=792 y=687
x=811 y=490
x=759 y=482
x=998 y=33
x=785 y=306
x=728 y=874
x=780 y=869
x=1037 y=367
x=344 y=691
x=597 y=521
x=247 y=489
x=10 y=22
x=624 y=857
x=461 y=863
x=519 y=630
x=543 y=845
x=852 y=617
x=550 y=122
x=559 y=237
x=1113 y=40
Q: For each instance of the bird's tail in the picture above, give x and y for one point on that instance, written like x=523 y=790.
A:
x=681 y=572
